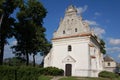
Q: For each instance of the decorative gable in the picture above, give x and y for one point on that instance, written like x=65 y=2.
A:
x=68 y=59
x=71 y=24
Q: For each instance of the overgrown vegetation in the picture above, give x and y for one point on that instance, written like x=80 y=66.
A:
x=22 y=73
x=106 y=74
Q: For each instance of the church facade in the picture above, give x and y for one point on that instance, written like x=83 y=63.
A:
x=75 y=49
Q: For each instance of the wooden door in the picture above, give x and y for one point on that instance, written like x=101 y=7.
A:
x=68 y=70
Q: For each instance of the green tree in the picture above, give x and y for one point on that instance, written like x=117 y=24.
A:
x=7 y=7
x=46 y=50
x=102 y=49
x=29 y=30
x=41 y=47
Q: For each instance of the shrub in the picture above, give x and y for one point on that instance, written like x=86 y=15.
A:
x=106 y=74
x=7 y=73
x=27 y=72
x=53 y=71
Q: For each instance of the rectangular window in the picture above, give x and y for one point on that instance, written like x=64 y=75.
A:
x=69 y=48
x=75 y=29
x=64 y=32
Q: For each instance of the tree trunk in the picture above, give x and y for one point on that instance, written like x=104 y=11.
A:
x=42 y=63
x=27 y=59
x=33 y=60
x=2 y=50
x=1 y=54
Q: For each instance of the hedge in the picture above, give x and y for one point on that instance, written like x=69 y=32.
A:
x=106 y=74
x=7 y=73
x=53 y=71
x=27 y=73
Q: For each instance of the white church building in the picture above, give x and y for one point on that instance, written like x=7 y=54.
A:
x=75 y=49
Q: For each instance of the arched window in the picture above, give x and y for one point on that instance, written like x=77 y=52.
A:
x=69 y=48
x=63 y=31
x=75 y=29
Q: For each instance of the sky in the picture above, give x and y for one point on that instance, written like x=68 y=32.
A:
x=102 y=15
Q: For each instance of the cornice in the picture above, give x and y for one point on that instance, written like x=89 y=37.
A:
x=72 y=36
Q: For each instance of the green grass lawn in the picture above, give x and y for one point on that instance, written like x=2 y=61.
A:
x=42 y=77
x=75 y=78
x=80 y=78
x=69 y=78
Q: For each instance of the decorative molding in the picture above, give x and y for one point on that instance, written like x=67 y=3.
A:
x=68 y=59
x=91 y=45
x=92 y=56
x=78 y=35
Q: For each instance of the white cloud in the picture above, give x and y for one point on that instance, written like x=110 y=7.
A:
x=97 y=14
x=8 y=52
x=80 y=10
x=38 y=58
x=99 y=31
x=95 y=26
x=119 y=56
x=91 y=23
x=14 y=42
x=114 y=41
x=113 y=50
